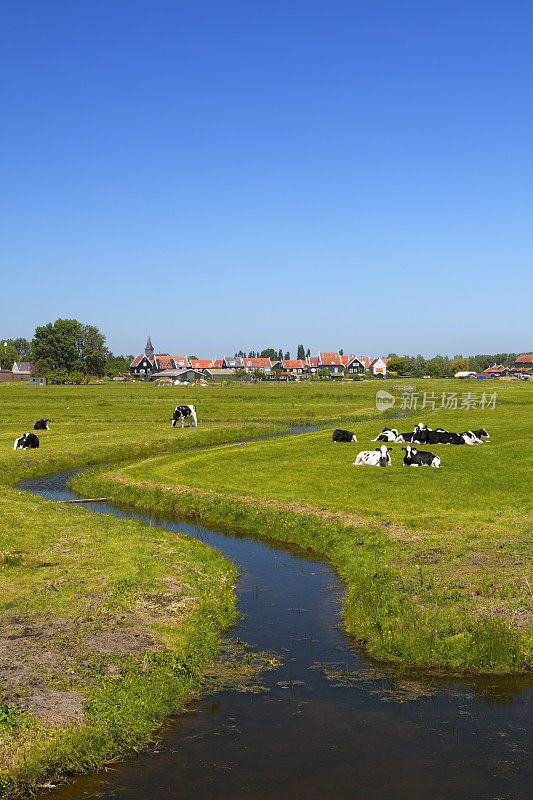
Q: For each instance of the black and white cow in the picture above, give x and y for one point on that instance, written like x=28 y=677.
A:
x=374 y=458
x=26 y=441
x=183 y=413
x=343 y=436
x=41 y=425
x=419 y=458
x=405 y=437
x=387 y=435
x=439 y=437
x=471 y=438
x=476 y=436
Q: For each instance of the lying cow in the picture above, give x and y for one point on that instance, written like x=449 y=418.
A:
x=183 y=413
x=419 y=458
x=481 y=433
x=387 y=435
x=477 y=436
x=26 y=441
x=343 y=436
x=405 y=437
x=374 y=458
x=41 y=425
x=471 y=438
x=439 y=437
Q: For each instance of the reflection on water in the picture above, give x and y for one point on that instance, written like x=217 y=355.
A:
x=326 y=722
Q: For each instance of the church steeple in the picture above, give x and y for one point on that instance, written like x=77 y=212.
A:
x=149 y=350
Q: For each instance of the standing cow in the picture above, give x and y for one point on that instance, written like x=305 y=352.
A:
x=183 y=413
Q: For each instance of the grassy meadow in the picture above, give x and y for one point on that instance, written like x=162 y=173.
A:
x=106 y=624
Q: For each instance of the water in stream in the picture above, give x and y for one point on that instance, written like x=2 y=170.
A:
x=331 y=724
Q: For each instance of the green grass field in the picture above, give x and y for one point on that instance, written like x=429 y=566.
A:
x=436 y=562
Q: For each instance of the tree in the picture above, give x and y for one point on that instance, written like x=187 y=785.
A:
x=22 y=346
x=419 y=366
x=280 y=355
x=341 y=352
x=115 y=365
x=8 y=353
x=287 y=356
x=192 y=358
x=459 y=364
x=269 y=353
x=301 y=352
x=324 y=373
x=68 y=345
x=92 y=351
x=308 y=353
x=396 y=364
x=433 y=368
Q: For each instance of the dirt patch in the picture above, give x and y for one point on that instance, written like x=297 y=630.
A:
x=47 y=665
x=523 y=617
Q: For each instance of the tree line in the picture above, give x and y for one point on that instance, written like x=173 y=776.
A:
x=65 y=351
x=274 y=355
x=417 y=366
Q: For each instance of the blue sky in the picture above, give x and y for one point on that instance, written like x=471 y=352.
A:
x=225 y=175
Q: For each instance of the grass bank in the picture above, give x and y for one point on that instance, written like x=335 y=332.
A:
x=106 y=625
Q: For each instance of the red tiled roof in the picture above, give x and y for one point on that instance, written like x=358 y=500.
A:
x=181 y=361
x=347 y=359
x=525 y=358
x=312 y=361
x=257 y=362
x=294 y=363
x=330 y=358
x=164 y=362
x=206 y=363
x=137 y=360
x=366 y=360
x=219 y=362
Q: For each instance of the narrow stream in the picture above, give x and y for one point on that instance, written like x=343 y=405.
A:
x=331 y=724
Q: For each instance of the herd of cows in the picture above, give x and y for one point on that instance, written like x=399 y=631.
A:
x=29 y=441
x=380 y=457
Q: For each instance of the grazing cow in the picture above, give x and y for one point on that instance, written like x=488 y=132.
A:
x=374 y=458
x=183 y=413
x=26 y=441
x=387 y=435
x=439 y=437
x=41 y=425
x=343 y=436
x=419 y=458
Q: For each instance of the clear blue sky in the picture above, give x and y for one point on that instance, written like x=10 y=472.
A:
x=223 y=174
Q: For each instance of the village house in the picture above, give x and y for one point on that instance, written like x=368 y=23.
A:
x=524 y=364
x=332 y=362
x=232 y=362
x=295 y=366
x=263 y=364
x=352 y=365
x=312 y=363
